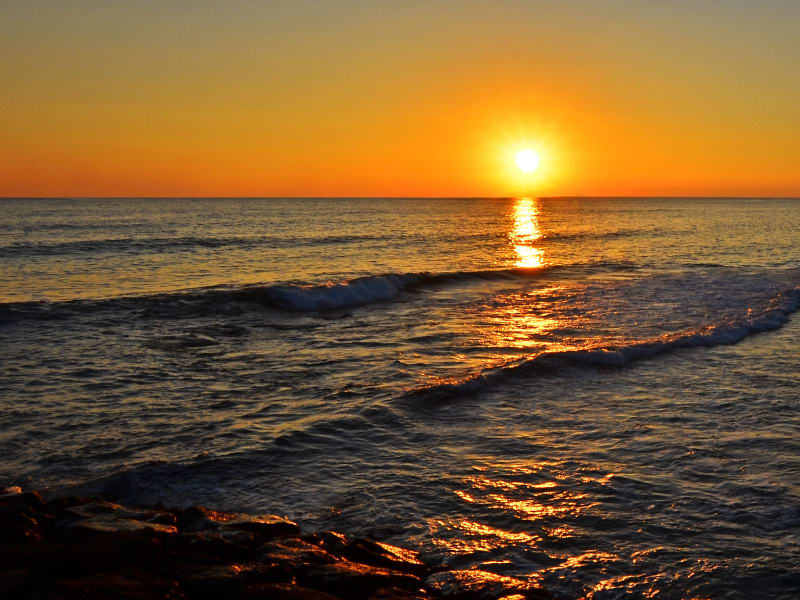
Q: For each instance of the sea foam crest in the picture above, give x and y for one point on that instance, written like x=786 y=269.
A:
x=356 y=292
x=377 y=288
x=720 y=334
x=360 y=291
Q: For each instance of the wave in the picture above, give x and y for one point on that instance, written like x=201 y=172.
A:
x=371 y=289
x=359 y=291
x=356 y=292
x=604 y=235
x=774 y=316
x=301 y=297
x=143 y=245
x=132 y=245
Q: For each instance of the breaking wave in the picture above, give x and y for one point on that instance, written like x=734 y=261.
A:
x=774 y=316
x=359 y=291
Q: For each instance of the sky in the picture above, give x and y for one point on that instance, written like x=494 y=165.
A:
x=403 y=98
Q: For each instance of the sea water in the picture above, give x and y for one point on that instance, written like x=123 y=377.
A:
x=600 y=394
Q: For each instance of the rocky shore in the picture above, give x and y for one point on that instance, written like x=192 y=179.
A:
x=73 y=547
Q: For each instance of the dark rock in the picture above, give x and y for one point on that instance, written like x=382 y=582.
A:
x=378 y=554
x=22 y=518
x=398 y=594
x=109 y=510
x=12 y=583
x=328 y=540
x=369 y=552
x=129 y=586
x=93 y=508
x=214 y=546
x=89 y=548
x=226 y=581
x=115 y=524
x=294 y=554
x=354 y=580
x=18 y=527
x=98 y=551
x=282 y=591
x=264 y=526
x=107 y=518
x=31 y=556
x=17 y=501
x=63 y=502
x=214 y=582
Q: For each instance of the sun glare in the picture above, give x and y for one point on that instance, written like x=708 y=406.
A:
x=527 y=160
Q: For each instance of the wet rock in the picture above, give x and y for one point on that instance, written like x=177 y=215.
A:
x=473 y=584
x=97 y=551
x=354 y=580
x=378 y=554
x=64 y=502
x=91 y=510
x=129 y=586
x=295 y=554
x=100 y=517
x=89 y=548
x=18 y=500
x=282 y=591
x=214 y=582
x=86 y=510
x=329 y=540
x=264 y=526
x=368 y=552
x=214 y=546
x=227 y=581
x=22 y=518
x=18 y=527
x=115 y=524
x=12 y=583
x=398 y=594
x=31 y=556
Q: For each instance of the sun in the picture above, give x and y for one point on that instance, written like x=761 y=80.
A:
x=527 y=160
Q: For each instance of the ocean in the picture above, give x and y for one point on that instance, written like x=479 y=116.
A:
x=600 y=394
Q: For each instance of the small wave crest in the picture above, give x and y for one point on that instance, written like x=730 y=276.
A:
x=356 y=292
x=360 y=291
x=372 y=289
x=775 y=315
x=143 y=245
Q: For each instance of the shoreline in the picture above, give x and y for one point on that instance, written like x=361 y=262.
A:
x=71 y=547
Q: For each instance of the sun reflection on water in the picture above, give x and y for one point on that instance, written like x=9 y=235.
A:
x=553 y=499
x=474 y=536
x=528 y=507
x=526 y=233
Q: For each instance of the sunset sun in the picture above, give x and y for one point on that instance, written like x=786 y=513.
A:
x=527 y=160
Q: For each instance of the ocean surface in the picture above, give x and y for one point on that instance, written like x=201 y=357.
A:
x=601 y=394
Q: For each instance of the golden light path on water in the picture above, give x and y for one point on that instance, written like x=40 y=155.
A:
x=526 y=233
x=514 y=322
x=538 y=500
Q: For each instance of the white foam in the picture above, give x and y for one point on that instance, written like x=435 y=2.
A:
x=356 y=292
x=720 y=334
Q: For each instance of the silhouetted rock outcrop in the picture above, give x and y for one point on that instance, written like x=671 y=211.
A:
x=69 y=548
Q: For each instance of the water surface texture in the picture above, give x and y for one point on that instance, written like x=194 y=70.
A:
x=596 y=393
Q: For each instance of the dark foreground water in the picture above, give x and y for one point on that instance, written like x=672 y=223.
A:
x=602 y=394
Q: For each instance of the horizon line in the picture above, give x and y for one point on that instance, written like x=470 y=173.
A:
x=405 y=197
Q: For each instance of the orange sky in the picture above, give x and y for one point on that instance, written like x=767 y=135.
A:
x=245 y=98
